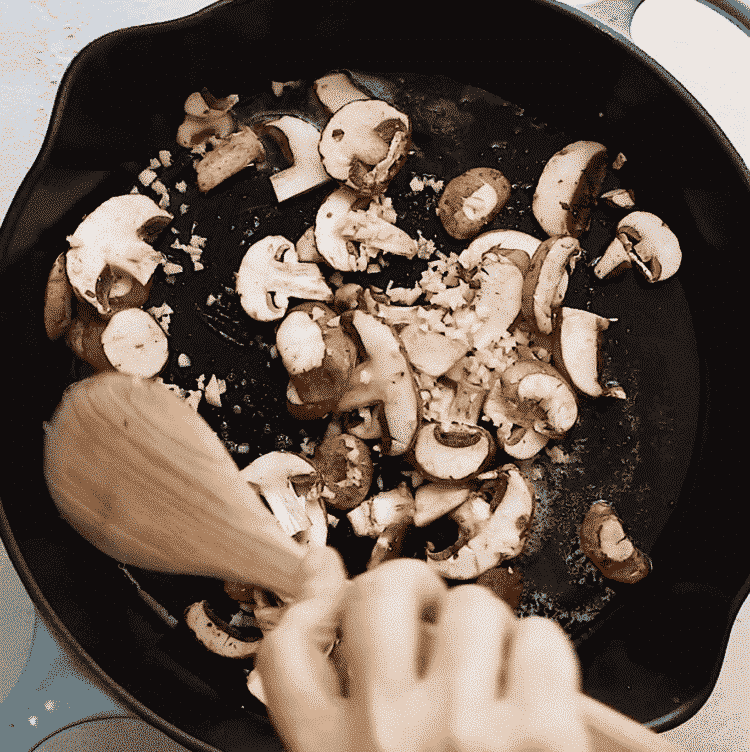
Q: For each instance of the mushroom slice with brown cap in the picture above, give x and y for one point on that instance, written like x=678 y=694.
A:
x=472 y=200
x=605 y=543
x=307 y=170
x=646 y=241
x=318 y=355
x=576 y=351
x=364 y=144
x=545 y=283
x=499 y=241
x=454 y=449
x=334 y=90
x=527 y=444
x=272 y=475
x=385 y=378
x=216 y=634
x=497 y=537
x=453 y=453
x=346 y=470
x=271 y=273
x=432 y=501
x=58 y=300
x=206 y=116
x=374 y=515
x=498 y=301
x=568 y=187
x=541 y=397
x=110 y=251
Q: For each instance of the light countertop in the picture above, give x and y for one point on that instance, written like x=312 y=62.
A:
x=42 y=689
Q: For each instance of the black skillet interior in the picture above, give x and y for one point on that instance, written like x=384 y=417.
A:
x=654 y=651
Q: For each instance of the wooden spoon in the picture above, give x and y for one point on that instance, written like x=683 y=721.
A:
x=145 y=479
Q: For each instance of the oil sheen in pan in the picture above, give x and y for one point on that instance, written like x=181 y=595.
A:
x=619 y=450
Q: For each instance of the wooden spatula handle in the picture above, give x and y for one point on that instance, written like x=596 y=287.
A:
x=147 y=481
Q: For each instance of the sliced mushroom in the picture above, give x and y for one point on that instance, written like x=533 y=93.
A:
x=499 y=241
x=454 y=448
x=365 y=423
x=472 y=200
x=452 y=454
x=431 y=352
x=568 y=187
x=498 y=301
x=527 y=444
x=216 y=634
x=385 y=377
x=651 y=245
x=348 y=237
x=376 y=234
x=232 y=154
x=604 y=541
x=576 y=351
x=432 y=501
x=622 y=198
x=346 y=469
x=304 y=410
x=516 y=439
x=541 y=396
x=388 y=544
x=84 y=338
x=271 y=273
x=497 y=538
x=110 y=251
x=272 y=475
x=58 y=300
x=135 y=343
x=339 y=252
x=374 y=515
x=307 y=250
x=615 y=260
x=307 y=170
x=545 y=283
x=318 y=355
x=335 y=90
x=206 y=116
x=364 y=145
x=646 y=241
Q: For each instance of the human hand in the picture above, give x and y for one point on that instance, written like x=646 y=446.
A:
x=427 y=668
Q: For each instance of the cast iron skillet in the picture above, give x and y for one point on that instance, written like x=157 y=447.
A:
x=656 y=652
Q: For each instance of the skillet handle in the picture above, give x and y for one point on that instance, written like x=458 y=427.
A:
x=618 y=14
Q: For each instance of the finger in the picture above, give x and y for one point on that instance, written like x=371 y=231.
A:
x=475 y=631
x=296 y=674
x=542 y=664
x=382 y=626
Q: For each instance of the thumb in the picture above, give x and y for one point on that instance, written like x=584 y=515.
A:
x=313 y=617
x=291 y=659
x=323 y=570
